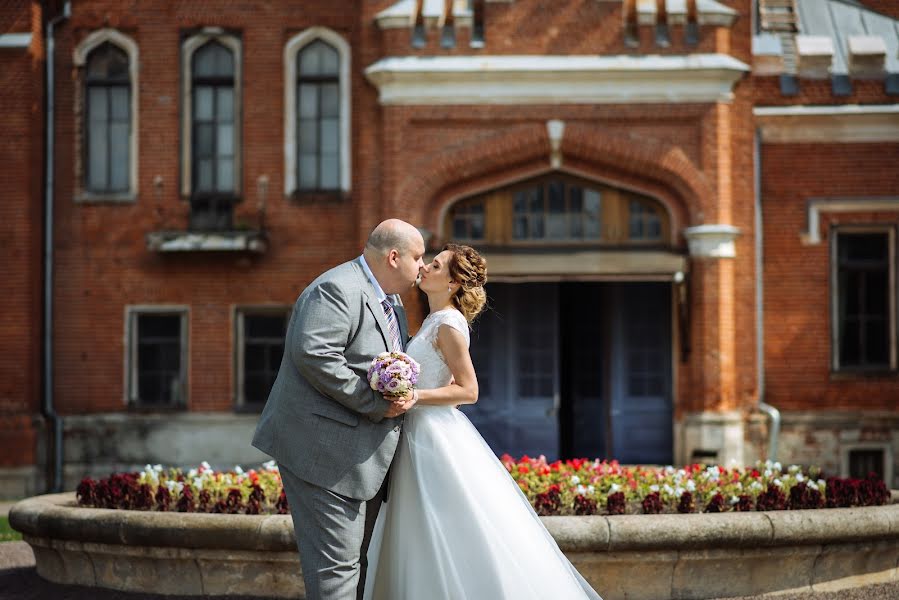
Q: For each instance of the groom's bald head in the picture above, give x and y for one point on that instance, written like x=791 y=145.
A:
x=392 y=234
x=393 y=253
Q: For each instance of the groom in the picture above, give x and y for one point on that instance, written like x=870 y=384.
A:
x=331 y=434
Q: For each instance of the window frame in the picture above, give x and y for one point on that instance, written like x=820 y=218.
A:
x=836 y=231
x=614 y=217
x=239 y=314
x=885 y=447
x=189 y=46
x=132 y=339
x=291 y=133
x=80 y=56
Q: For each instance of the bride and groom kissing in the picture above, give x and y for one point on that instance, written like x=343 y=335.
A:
x=399 y=497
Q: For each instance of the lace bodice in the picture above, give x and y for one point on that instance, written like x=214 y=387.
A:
x=423 y=347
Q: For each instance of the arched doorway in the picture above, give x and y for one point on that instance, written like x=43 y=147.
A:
x=574 y=355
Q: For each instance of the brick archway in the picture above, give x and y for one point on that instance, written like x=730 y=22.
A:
x=662 y=171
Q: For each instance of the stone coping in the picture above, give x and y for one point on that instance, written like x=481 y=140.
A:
x=57 y=516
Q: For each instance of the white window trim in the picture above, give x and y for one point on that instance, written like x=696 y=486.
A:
x=132 y=312
x=890 y=230
x=887 y=458
x=239 y=312
x=188 y=47
x=291 y=143
x=80 y=54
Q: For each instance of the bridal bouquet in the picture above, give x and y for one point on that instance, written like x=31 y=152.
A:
x=393 y=373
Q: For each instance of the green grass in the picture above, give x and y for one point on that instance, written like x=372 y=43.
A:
x=7 y=533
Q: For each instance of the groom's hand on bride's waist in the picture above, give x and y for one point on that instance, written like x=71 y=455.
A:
x=400 y=404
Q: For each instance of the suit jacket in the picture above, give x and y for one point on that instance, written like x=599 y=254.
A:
x=322 y=421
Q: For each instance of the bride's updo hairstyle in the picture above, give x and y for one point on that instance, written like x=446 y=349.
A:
x=469 y=270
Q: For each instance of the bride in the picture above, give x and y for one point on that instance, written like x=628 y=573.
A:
x=455 y=525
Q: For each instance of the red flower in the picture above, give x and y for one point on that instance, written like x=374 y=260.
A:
x=523 y=470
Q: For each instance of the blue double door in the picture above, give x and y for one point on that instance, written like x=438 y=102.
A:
x=576 y=369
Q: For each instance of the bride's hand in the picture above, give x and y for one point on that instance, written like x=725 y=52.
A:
x=400 y=404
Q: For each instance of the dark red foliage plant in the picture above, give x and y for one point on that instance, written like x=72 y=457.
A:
x=685 y=504
x=584 y=505
x=716 y=504
x=616 y=503
x=652 y=504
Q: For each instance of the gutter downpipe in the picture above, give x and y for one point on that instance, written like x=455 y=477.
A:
x=773 y=413
x=49 y=409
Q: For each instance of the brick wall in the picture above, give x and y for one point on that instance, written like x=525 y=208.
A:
x=797 y=277
x=21 y=72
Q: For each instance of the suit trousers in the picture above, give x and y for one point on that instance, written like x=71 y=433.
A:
x=332 y=533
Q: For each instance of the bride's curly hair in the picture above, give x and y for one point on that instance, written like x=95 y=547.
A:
x=468 y=268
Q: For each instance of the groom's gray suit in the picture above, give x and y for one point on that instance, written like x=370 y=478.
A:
x=325 y=426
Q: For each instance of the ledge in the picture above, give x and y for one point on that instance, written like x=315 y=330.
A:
x=523 y=79
x=632 y=556
x=225 y=241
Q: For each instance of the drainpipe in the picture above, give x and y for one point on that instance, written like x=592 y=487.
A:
x=773 y=413
x=48 y=409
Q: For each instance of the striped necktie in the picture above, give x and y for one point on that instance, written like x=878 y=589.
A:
x=392 y=324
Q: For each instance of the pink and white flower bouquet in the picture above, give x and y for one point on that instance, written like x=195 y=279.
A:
x=393 y=373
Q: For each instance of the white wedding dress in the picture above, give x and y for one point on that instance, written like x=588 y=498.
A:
x=455 y=525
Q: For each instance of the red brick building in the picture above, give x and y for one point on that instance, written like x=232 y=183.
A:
x=689 y=210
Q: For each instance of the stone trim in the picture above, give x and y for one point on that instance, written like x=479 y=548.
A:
x=646 y=556
x=812 y=235
x=712 y=241
x=850 y=123
x=455 y=80
x=15 y=40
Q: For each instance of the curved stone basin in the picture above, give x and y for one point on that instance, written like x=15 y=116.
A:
x=632 y=556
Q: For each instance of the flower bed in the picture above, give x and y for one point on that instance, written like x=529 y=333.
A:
x=572 y=487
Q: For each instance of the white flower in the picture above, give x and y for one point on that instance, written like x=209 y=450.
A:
x=615 y=488
x=778 y=483
x=581 y=490
x=768 y=473
x=669 y=470
x=590 y=489
x=668 y=489
x=575 y=480
x=691 y=485
x=192 y=473
x=157 y=468
x=205 y=465
x=170 y=484
x=198 y=483
x=653 y=488
x=794 y=469
x=679 y=492
x=270 y=465
x=755 y=485
x=800 y=478
x=734 y=499
x=238 y=470
x=713 y=471
x=777 y=466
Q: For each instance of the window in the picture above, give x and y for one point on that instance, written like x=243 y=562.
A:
x=106 y=133
x=468 y=221
x=108 y=120
x=260 y=335
x=644 y=222
x=157 y=357
x=864 y=300
x=559 y=209
x=211 y=132
x=859 y=460
x=318 y=110
x=317 y=107
x=556 y=210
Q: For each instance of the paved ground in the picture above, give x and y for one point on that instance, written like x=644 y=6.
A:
x=19 y=581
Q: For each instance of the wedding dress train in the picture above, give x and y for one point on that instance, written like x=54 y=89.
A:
x=455 y=525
